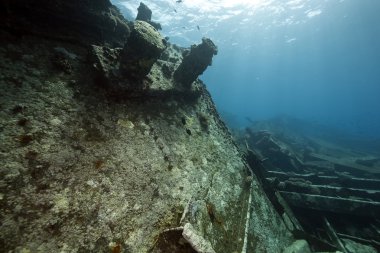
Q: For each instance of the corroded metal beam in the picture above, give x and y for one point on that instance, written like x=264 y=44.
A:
x=332 y=204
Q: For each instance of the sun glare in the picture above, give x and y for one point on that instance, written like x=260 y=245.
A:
x=219 y=5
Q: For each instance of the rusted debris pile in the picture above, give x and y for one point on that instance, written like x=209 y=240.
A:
x=331 y=195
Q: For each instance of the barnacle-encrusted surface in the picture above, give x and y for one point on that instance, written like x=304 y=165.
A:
x=100 y=173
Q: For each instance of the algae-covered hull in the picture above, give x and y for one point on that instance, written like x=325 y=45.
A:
x=88 y=165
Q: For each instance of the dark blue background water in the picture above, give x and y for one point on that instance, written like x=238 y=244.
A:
x=316 y=60
x=330 y=74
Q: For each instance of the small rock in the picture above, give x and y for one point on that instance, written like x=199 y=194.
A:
x=141 y=51
x=55 y=122
x=92 y=183
x=125 y=123
x=299 y=246
x=61 y=202
x=136 y=207
x=105 y=61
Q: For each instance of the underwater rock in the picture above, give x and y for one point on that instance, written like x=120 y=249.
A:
x=143 y=48
x=198 y=243
x=158 y=82
x=85 y=22
x=145 y=14
x=106 y=62
x=299 y=246
x=195 y=62
x=167 y=70
x=182 y=239
x=62 y=63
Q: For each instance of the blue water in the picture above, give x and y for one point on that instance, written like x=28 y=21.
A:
x=314 y=60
